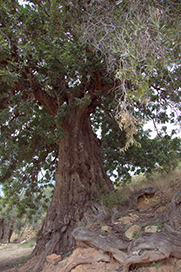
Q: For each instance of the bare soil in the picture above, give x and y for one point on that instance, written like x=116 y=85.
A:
x=11 y=255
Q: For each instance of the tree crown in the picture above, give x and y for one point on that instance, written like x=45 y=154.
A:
x=115 y=59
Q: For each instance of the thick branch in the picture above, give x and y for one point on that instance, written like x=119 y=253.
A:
x=49 y=103
x=99 y=86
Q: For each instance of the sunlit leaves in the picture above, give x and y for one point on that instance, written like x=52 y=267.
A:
x=141 y=41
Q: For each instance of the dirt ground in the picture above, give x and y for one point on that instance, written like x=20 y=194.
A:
x=11 y=255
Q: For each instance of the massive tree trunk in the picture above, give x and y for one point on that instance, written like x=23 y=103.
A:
x=80 y=178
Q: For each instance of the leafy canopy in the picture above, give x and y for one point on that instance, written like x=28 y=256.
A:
x=122 y=57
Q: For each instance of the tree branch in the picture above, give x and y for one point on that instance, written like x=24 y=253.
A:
x=48 y=102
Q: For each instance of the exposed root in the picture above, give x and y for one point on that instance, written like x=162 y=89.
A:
x=143 y=192
x=95 y=249
x=147 y=249
x=94 y=213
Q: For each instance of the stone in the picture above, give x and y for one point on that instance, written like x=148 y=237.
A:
x=106 y=228
x=53 y=259
x=151 y=229
x=81 y=257
x=134 y=216
x=161 y=268
x=82 y=268
x=128 y=220
x=161 y=209
x=22 y=242
x=130 y=232
x=179 y=263
x=97 y=266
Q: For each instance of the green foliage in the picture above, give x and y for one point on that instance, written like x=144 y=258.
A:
x=22 y=260
x=25 y=213
x=51 y=55
x=156 y=264
x=126 y=228
x=136 y=234
x=111 y=200
x=158 y=223
x=31 y=243
x=69 y=253
x=163 y=151
x=145 y=36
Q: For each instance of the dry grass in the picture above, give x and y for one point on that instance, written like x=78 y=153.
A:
x=164 y=181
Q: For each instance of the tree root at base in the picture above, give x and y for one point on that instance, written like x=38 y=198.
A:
x=146 y=249
x=157 y=246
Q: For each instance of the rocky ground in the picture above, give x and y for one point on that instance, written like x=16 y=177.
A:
x=141 y=217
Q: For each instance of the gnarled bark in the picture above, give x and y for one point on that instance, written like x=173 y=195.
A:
x=80 y=177
x=146 y=249
x=149 y=191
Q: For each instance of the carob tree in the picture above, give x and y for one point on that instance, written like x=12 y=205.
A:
x=67 y=70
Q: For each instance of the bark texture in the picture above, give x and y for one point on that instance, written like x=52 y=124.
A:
x=80 y=177
x=6 y=232
x=2 y=229
x=146 y=249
